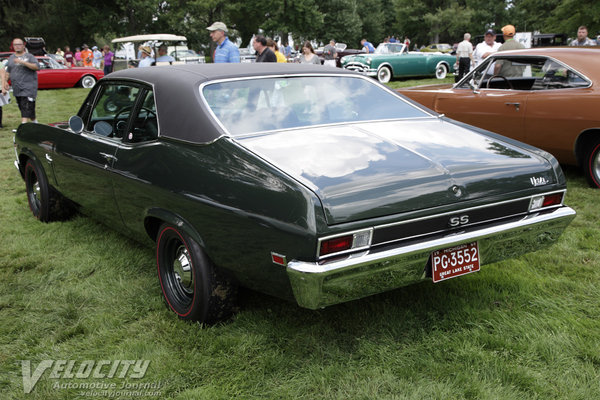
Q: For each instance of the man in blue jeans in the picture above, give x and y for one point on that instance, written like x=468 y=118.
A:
x=226 y=51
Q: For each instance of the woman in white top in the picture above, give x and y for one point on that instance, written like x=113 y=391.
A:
x=308 y=55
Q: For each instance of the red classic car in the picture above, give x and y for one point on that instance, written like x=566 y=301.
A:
x=53 y=75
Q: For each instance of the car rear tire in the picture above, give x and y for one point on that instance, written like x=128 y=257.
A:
x=192 y=287
x=592 y=165
x=88 y=81
x=441 y=71
x=45 y=204
x=384 y=74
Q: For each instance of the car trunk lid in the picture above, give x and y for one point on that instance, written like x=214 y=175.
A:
x=368 y=170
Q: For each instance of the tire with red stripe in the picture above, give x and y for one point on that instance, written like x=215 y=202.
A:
x=192 y=287
x=592 y=165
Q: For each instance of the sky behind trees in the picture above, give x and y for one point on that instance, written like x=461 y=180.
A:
x=74 y=22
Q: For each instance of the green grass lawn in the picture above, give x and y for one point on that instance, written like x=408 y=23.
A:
x=522 y=329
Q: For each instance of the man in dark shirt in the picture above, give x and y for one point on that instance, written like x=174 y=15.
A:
x=21 y=70
x=264 y=54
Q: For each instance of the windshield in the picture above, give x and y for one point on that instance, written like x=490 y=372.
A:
x=387 y=48
x=257 y=105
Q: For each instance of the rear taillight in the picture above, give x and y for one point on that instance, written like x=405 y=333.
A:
x=547 y=200
x=343 y=243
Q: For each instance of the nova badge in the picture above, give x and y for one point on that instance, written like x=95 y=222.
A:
x=538 y=181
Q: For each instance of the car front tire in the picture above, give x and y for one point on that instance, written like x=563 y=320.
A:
x=45 y=204
x=88 y=81
x=592 y=165
x=441 y=71
x=384 y=74
x=192 y=287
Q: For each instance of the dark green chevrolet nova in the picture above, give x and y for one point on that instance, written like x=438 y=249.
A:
x=308 y=183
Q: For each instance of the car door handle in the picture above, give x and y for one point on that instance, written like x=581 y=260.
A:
x=517 y=105
x=108 y=157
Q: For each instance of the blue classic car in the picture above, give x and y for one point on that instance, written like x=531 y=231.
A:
x=313 y=184
x=393 y=60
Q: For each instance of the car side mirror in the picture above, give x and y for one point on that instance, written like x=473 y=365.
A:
x=473 y=87
x=76 y=124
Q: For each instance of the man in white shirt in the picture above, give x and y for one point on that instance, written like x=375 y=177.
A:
x=485 y=48
x=464 y=56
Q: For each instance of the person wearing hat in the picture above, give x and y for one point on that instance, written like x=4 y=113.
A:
x=487 y=47
x=147 y=60
x=226 y=51
x=505 y=67
x=97 y=57
x=87 y=57
x=509 y=39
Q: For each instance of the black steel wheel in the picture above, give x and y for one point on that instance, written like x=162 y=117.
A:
x=45 y=204
x=192 y=287
x=591 y=165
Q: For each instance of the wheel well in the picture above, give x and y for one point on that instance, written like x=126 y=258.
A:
x=585 y=140
x=22 y=161
x=443 y=63
x=386 y=65
x=85 y=76
x=152 y=224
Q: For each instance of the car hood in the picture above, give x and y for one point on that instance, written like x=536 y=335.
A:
x=368 y=170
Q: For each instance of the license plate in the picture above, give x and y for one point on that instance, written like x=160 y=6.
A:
x=454 y=261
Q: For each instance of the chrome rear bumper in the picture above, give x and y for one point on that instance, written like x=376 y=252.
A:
x=318 y=285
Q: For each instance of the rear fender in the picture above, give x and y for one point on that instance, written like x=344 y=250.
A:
x=155 y=217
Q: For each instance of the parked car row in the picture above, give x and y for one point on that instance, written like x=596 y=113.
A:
x=314 y=185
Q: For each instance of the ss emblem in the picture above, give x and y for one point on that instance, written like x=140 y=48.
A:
x=457 y=221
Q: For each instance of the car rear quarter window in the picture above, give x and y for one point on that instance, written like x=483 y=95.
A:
x=525 y=73
x=257 y=105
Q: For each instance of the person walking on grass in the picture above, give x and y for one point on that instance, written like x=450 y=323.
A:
x=21 y=70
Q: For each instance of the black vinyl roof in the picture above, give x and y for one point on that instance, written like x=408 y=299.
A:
x=182 y=113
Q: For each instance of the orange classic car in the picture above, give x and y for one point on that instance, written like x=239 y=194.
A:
x=547 y=97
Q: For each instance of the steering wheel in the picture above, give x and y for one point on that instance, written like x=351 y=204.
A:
x=120 y=125
x=148 y=112
x=487 y=86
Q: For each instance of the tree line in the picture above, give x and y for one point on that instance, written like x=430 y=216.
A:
x=74 y=22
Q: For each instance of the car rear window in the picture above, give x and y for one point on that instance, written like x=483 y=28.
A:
x=257 y=105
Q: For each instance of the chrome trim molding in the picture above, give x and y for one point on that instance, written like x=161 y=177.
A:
x=466 y=210
x=316 y=285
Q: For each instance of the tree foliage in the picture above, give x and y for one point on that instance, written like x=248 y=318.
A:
x=74 y=22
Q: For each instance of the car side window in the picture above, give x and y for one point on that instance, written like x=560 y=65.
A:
x=110 y=115
x=145 y=123
x=552 y=75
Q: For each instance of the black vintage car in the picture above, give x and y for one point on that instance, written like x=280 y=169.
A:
x=312 y=184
